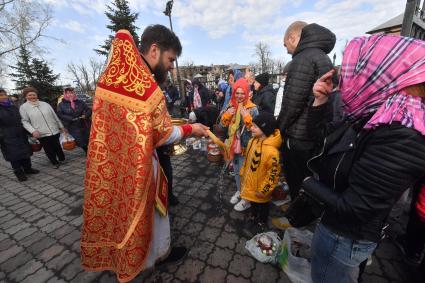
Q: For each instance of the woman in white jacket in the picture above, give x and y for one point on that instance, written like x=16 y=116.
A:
x=41 y=121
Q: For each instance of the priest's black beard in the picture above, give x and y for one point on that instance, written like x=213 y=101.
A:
x=160 y=72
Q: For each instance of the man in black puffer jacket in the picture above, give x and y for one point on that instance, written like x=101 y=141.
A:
x=309 y=46
x=265 y=96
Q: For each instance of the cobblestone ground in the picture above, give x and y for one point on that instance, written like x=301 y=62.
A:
x=40 y=223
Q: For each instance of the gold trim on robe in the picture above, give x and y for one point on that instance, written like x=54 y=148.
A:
x=130 y=120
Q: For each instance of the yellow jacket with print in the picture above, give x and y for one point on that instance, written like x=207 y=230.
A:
x=261 y=168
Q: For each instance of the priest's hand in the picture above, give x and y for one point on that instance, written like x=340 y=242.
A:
x=199 y=130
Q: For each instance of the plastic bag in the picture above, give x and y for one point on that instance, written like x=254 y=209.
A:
x=256 y=251
x=67 y=141
x=65 y=138
x=297 y=268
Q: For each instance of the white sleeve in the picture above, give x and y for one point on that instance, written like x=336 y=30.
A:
x=26 y=122
x=176 y=135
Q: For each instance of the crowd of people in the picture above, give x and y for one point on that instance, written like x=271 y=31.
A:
x=37 y=122
x=348 y=143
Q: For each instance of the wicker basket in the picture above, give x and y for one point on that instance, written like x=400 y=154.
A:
x=36 y=147
x=69 y=145
x=215 y=158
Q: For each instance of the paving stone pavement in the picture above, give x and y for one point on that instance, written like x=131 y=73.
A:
x=40 y=223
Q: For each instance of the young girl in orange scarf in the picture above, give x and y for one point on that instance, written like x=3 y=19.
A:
x=238 y=120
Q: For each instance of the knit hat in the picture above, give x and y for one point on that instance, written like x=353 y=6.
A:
x=263 y=79
x=266 y=122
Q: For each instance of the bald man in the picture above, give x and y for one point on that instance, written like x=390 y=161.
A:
x=309 y=45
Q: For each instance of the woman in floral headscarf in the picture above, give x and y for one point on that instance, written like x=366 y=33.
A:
x=76 y=117
x=368 y=160
x=238 y=120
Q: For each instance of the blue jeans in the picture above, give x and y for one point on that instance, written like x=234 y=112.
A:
x=237 y=162
x=336 y=259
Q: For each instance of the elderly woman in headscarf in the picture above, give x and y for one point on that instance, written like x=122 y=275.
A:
x=238 y=121
x=76 y=117
x=13 y=139
x=368 y=160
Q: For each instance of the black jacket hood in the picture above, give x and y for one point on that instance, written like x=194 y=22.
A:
x=316 y=36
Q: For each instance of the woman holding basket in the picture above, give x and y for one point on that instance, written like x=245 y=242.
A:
x=76 y=117
x=39 y=119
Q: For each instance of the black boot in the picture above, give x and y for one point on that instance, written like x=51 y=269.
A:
x=31 y=171
x=20 y=175
x=172 y=200
x=176 y=255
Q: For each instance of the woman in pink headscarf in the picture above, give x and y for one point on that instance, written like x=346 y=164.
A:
x=368 y=160
x=76 y=117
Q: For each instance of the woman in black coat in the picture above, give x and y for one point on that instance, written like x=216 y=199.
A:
x=14 y=139
x=365 y=163
x=76 y=117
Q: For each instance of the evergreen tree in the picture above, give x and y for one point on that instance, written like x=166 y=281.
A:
x=44 y=80
x=23 y=72
x=120 y=17
x=35 y=72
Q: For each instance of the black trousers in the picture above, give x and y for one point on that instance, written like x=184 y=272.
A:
x=165 y=162
x=22 y=164
x=294 y=160
x=52 y=148
x=260 y=211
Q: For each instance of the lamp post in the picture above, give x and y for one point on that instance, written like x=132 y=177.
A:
x=167 y=12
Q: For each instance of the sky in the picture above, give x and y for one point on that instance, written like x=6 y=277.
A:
x=211 y=31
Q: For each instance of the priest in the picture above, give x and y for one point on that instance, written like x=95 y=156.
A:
x=126 y=227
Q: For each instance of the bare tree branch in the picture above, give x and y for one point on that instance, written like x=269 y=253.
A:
x=3 y=4
x=22 y=23
x=262 y=51
x=86 y=76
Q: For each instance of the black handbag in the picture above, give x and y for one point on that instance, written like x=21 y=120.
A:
x=304 y=210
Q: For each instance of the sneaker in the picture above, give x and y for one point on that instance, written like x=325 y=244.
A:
x=281 y=223
x=242 y=205
x=176 y=254
x=31 y=171
x=56 y=166
x=235 y=198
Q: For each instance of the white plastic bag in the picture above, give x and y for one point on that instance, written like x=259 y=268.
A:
x=256 y=252
x=297 y=268
x=65 y=138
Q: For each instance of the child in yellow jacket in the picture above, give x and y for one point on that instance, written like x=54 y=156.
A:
x=261 y=169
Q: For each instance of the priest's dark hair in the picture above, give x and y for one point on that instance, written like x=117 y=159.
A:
x=162 y=36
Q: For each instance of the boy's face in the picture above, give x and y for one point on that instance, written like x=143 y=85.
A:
x=257 y=132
